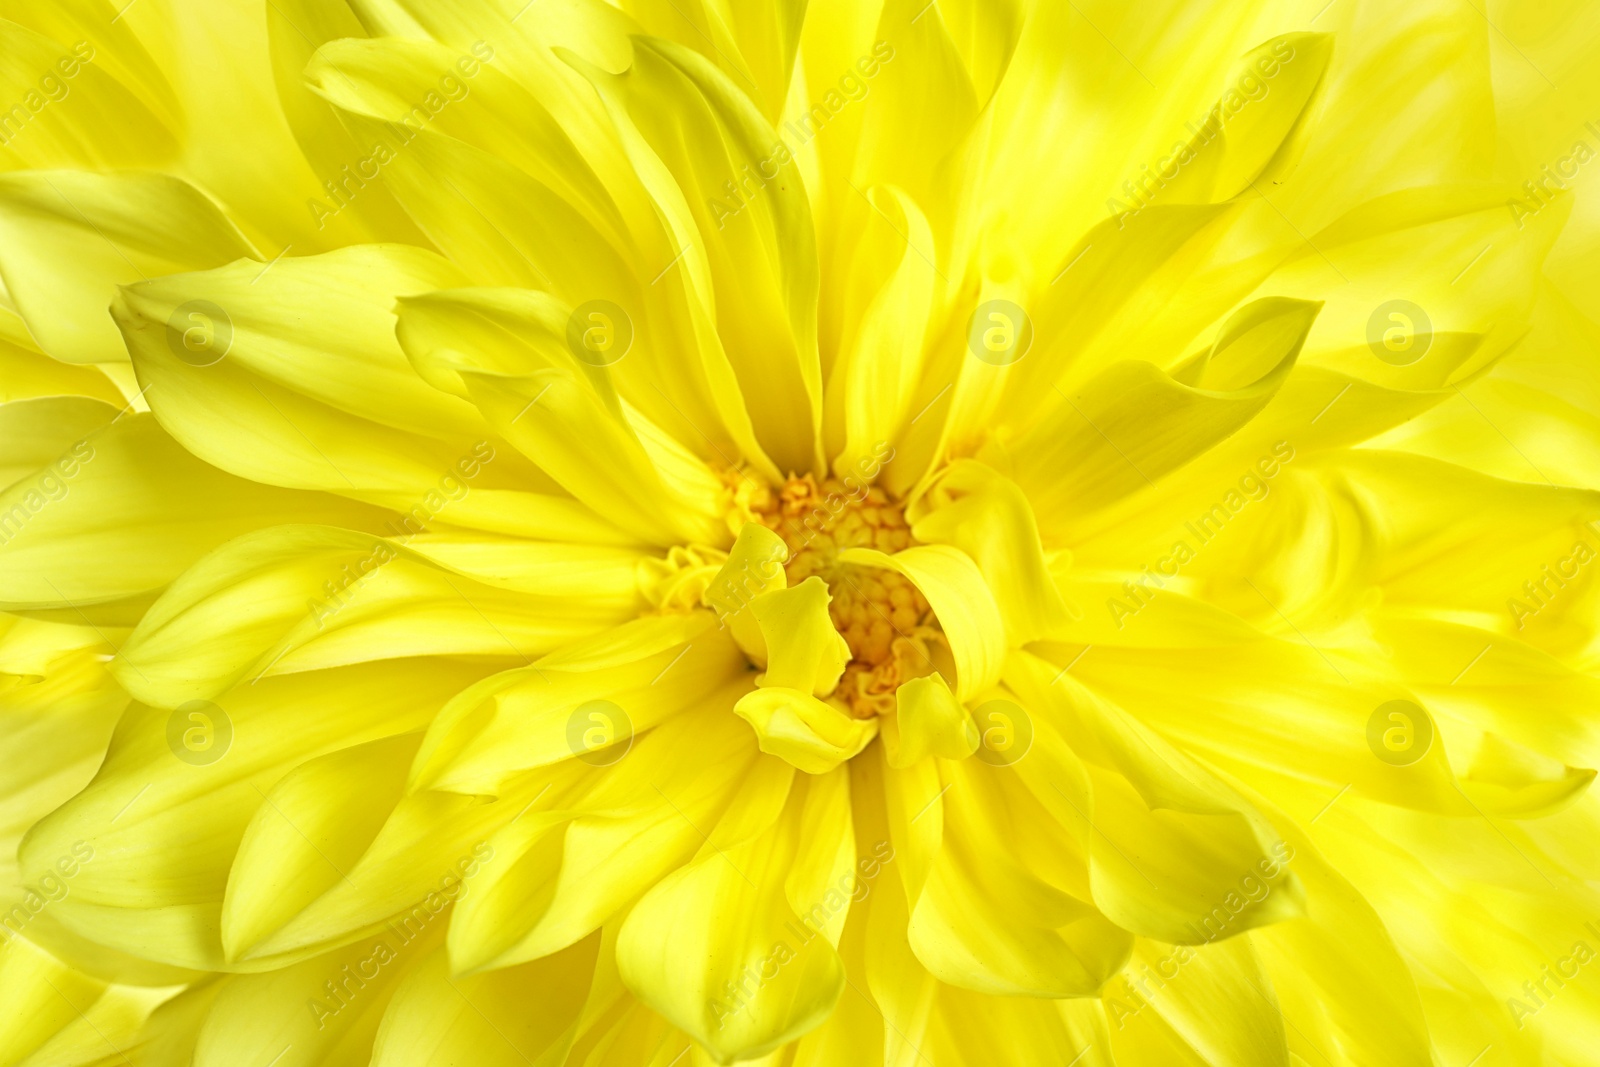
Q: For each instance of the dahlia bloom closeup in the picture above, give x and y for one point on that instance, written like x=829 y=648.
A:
x=848 y=532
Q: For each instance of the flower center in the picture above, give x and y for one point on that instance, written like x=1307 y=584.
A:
x=882 y=616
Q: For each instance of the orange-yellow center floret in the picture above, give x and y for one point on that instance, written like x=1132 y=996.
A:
x=882 y=616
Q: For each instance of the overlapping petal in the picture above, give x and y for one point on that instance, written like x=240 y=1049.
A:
x=538 y=561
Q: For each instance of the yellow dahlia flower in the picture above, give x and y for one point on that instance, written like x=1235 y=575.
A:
x=949 y=532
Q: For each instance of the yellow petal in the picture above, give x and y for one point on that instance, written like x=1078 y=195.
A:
x=1018 y=1031
x=823 y=880
x=62 y=1016
x=985 y=515
x=1318 y=726
x=989 y=919
x=323 y=326
x=1128 y=298
x=125 y=511
x=358 y=208
x=640 y=638
x=1443 y=74
x=562 y=872
x=30 y=373
x=507 y=1018
x=170 y=1033
x=755 y=250
x=1359 y=996
x=564 y=427
x=754 y=566
x=754 y=46
x=54 y=728
x=428 y=853
x=961 y=600
x=879 y=368
x=913 y=799
x=313 y=826
x=1427 y=564
x=548 y=567
x=164 y=830
x=804 y=651
x=930 y=721
x=319 y=1010
x=385 y=77
x=1217 y=1007
x=512 y=352
x=507 y=332
x=376 y=85
x=310 y=424
x=533 y=716
x=1169 y=839
x=1533 y=383
x=813 y=736
x=120 y=125
x=920 y=108
x=43 y=993
x=853 y=1036
x=71 y=238
x=1134 y=423
x=1247 y=141
x=38 y=431
x=740 y=989
x=1517 y=782
x=308 y=611
x=902 y=991
x=514 y=145
x=120 y=49
x=1495 y=696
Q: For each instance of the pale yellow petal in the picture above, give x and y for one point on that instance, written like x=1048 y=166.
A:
x=524 y=718
x=312 y=827
x=164 y=829
x=505 y=1018
x=124 y=511
x=990 y=920
x=319 y=597
x=70 y=239
x=740 y=989
x=560 y=873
